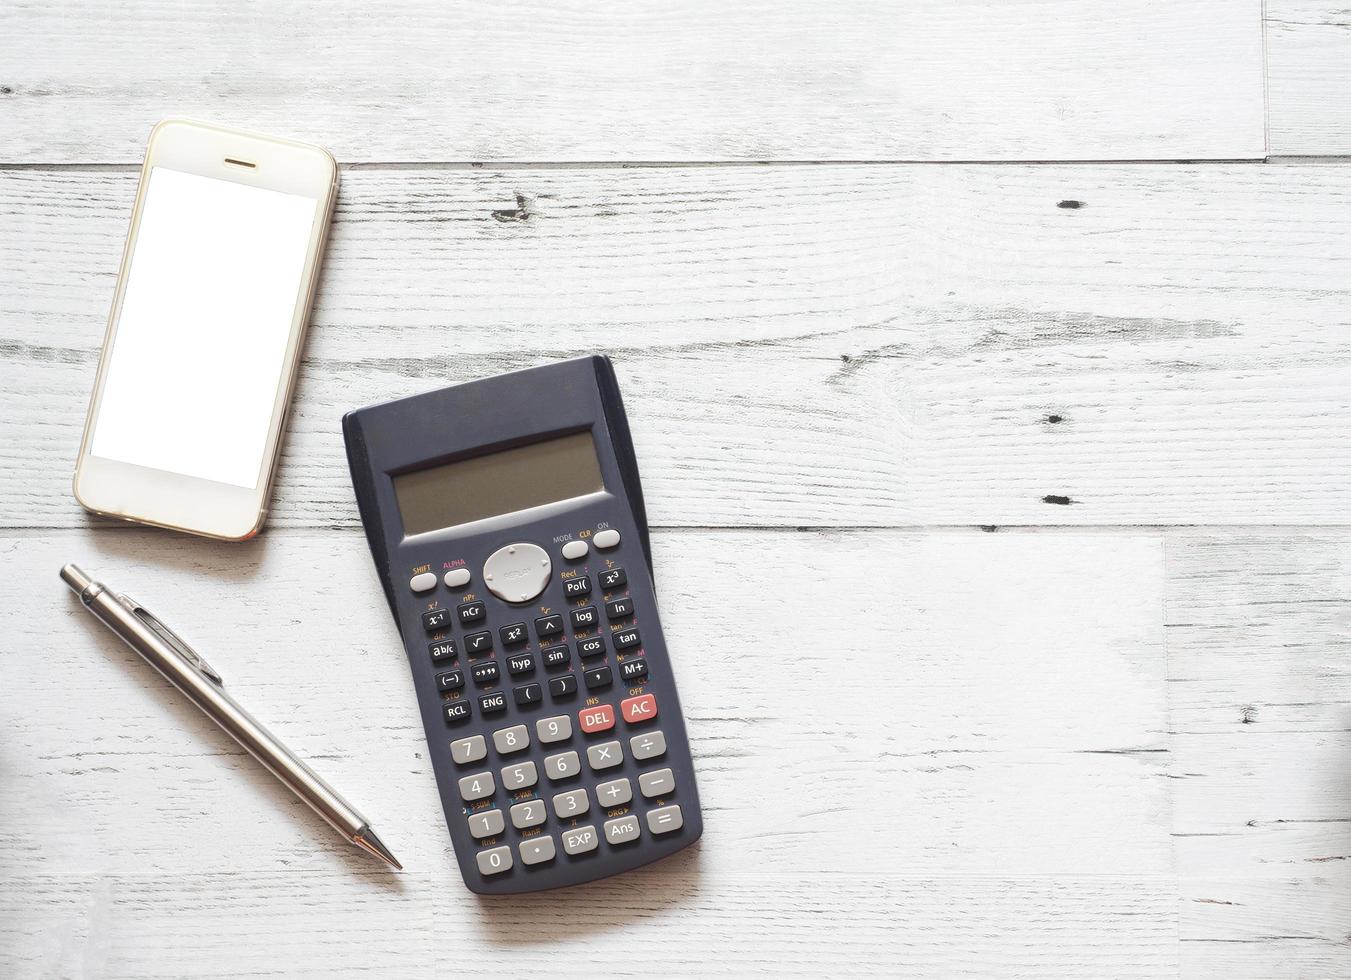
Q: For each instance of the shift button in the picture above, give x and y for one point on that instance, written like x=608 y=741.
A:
x=608 y=538
x=423 y=583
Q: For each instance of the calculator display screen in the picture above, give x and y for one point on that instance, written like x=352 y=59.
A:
x=498 y=483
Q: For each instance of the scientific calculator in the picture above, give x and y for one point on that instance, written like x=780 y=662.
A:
x=507 y=524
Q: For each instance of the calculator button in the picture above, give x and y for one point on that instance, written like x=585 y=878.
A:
x=606 y=755
x=527 y=814
x=437 y=619
x=476 y=644
x=574 y=550
x=479 y=786
x=647 y=746
x=619 y=608
x=423 y=583
x=471 y=612
x=518 y=572
x=635 y=668
x=555 y=729
x=513 y=739
x=527 y=694
x=622 y=830
x=573 y=803
x=624 y=639
x=658 y=783
x=601 y=718
x=537 y=850
x=467 y=750
x=600 y=676
x=606 y=539
x=561 y=687
x=513 y=635
x=584 y=618
x=442 y=650
x=640 y=709
x=580 y=840
x=456 y=711
x=613 y=578
x=575 y=588
x=456 y=578
x=491 y=704
x=494 y=860
x=520 y=776
x=489 y=823
x=665 y=819
x=549 y=625
x=563 y=765
x=555 y=657
x=593 y=647
x=616 y=792
x=485 y=672
x=522 y=663
x=450 y=680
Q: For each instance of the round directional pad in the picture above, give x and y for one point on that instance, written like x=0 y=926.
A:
x=518 y=572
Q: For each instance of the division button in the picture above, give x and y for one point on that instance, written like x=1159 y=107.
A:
x=555 y=729
x=658 y=783
x=606 y=539
x=598 y=677
x=479 y=786
x=606 y=755
x=613 y=578
x=640 y=709
x=580 y=840
x=471 y=612
x=561 y=687
x=537 y=850
x=665 y=819
x=622 y=830
x=616 y=792
x=563 y=765
x=518 y=572
x=494 y=860
x=424 y=582
x=600 y=718
x=436 y=619
x=466 y=750
x=488 y=823
x=527 y=814
x=456 y=578
x=647 y=746
x=574 y=550
x=509 y=740
x=573 y=803
x=455 y=711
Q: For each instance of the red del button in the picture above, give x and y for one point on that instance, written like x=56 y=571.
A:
x=641 y=708
x=598 y=719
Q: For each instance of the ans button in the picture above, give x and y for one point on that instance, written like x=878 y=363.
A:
x=423 y=583
x=608 y=538
x=456 y=578
x=518 y=572
x=574 y=550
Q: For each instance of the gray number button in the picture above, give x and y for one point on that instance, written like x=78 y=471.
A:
x=471 y=749
x=563 y=765
x=537 y=850
x=621 y=830
x=616 y=792
x=479 y=786
x=512 y=739
x=665 y=819
x=557 y=729
x=647 y=746
x=580 y=840
x=606 y=755
x=571 y=804
x=657 y=783
x=527 y=814
x=519 y=776
x=494 y=860
x=486 y=824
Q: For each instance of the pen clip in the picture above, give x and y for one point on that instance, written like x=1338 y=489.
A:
x=179 y=645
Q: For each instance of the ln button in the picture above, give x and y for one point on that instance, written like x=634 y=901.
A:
x=639 y=709
x=598 y=719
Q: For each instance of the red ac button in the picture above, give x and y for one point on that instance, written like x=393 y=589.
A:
x=598 y=719
x=639 y=709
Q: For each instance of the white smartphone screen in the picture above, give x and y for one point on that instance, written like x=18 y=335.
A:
x=211 y=293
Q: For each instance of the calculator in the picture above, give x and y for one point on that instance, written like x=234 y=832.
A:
x=506 y=521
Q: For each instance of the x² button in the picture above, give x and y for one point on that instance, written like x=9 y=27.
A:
x=640 y=709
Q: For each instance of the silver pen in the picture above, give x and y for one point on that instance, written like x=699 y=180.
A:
x=199 y=682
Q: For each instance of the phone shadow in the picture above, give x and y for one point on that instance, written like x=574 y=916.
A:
x=124 y=545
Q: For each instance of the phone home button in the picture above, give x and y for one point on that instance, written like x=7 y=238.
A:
x=517 y=572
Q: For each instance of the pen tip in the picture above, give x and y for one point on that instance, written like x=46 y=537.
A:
x=366 y=840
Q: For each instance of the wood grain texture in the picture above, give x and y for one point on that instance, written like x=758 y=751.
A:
x=1006 y=795
x=836 y=345
x=1308 y=77
x=934 y=80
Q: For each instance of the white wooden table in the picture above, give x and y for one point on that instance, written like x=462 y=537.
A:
x=1004 y=344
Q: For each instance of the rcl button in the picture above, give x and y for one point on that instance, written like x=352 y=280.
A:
x=598 y=719
x=639 y=709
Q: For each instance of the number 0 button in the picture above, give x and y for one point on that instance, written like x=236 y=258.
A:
x=494 y=860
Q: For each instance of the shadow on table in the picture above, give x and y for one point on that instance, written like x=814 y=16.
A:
x=125 y=547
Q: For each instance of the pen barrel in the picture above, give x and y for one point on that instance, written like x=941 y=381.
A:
x=214 y=702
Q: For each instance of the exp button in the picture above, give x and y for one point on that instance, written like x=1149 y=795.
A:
x=639 y=709
x=598 y=719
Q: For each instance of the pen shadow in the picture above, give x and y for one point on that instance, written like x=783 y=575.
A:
x=609 y=905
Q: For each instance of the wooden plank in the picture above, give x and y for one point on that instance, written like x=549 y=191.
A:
x=1308 y=76
x=433 y=81
x=842 y=345
x=1000 y=800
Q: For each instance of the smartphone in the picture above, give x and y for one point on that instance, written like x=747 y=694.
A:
x=205 y=334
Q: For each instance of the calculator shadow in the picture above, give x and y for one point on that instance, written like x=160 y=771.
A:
x=608 y=905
